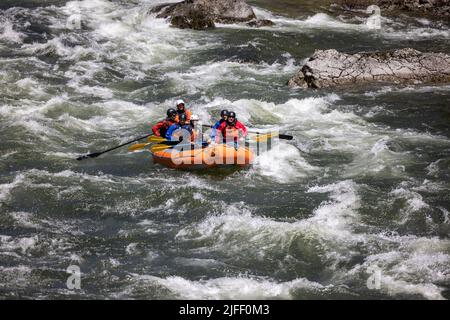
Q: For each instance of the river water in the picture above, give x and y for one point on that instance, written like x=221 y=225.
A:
x=356 y=206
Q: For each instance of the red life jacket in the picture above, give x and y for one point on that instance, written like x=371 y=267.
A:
x=232 y=130
x=161 y=127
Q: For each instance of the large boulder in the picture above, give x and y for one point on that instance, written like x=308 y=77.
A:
x=330 y=68
x=222 y=11
x=195 y=20
x=202 y=14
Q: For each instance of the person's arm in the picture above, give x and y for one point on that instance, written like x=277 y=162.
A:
x=157 y=127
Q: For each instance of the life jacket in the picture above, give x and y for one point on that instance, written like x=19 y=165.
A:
x=175 y=127
x=160 y=129
x=231 y=130
x=188 y=115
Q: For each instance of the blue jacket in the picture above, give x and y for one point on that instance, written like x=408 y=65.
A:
x=215 y=127
x=175 y=127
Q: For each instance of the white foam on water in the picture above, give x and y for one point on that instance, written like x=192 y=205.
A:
x=415 y=33
x=16 y=276
x=24 y=245
x=24 y=219
x=6 y=188
x=415 y=207
x=237 y=230
x=231 y=287
x=446 y=215
x=134 y=33
x=283 y=164
x=410 y=266
x=8 y=33
x=131 y=248
x=32 y=88
x=197 y=79
x=8 y=154
x=414 y=200
x=326 y=129
x=390 y=28
x=319 y=127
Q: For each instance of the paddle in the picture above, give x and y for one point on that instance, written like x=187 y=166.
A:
x=96 y=154
x=281 y=136
x=168 y=144
x=151 y=139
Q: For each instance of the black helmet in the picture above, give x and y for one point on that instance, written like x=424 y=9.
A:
x=182 y=117
x=224 y=113
x=171 y=112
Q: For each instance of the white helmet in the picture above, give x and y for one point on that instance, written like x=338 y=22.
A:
x=195 y=117
x=180 y=101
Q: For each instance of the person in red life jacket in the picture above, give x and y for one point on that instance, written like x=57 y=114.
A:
x=160 y=129
x=181 y=109
x=230 y=129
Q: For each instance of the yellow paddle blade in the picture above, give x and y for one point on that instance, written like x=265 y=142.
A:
x=151 y=139
x=159 y=147
x=137 y=146
x=155 y=139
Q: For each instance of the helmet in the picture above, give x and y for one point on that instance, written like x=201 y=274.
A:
x=195 y=117
x=224 y=113
x=180 y=101
x=171 y=112
x=182 y=117
x=231 y=119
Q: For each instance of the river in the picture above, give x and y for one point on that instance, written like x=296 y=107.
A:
x=355 y=207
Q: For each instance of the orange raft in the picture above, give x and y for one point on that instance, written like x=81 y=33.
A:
x=213 y=156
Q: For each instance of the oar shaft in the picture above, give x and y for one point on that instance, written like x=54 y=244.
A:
x=96 y=154
x=124 y=144
x=281 y=135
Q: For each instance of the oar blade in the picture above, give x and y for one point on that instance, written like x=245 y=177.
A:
x=137 y=146
x=155 y=139
x=159 y=148
x=91 y=155
x=286 y=137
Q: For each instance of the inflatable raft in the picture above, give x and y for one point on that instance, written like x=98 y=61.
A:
x=201 y=158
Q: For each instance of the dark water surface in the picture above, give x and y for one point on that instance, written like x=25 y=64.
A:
x=364 y=185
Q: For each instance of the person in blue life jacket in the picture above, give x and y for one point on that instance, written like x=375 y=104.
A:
x=178 y=131
x=223 y=118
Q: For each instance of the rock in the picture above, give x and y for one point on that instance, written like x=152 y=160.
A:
x=439 y=8
x=260 y=23
x=195 y=20
x=330 y=68
x=222 y=11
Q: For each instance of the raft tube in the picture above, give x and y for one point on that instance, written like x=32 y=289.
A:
x=214 y=156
